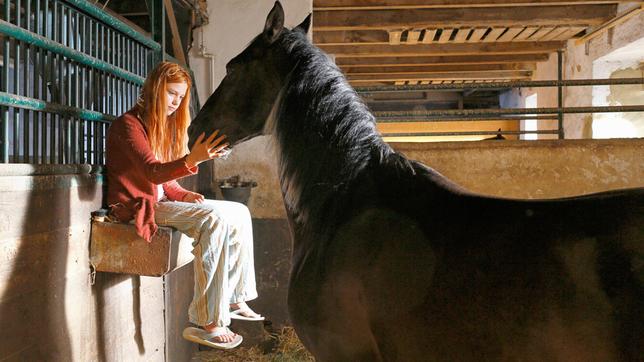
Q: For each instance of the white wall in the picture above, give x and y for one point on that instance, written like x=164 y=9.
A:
x=625 y=62
x=233 y=24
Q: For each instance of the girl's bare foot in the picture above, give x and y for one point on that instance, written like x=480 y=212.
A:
x=222 y=334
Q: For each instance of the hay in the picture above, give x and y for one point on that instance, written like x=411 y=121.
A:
x=280 y=347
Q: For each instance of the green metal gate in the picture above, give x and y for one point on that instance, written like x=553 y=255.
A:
x=68 y=69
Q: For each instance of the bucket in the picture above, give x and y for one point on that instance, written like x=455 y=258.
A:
x=232 y=189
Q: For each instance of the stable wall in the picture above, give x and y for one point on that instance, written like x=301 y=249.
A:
x=52 y=308
x=535 y=169
x=520 y=169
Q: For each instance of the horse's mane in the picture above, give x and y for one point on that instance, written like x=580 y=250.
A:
x=325 y=132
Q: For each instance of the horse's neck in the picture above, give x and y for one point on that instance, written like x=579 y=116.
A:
x=318 y=158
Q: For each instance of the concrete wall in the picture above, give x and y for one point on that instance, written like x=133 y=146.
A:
x=537 y=169
x=49 y=308
x=44 y=224
x=521 y=169
x=618 y=52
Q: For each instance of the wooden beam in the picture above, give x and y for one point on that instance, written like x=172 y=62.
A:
x=442 y=49
x=441 y=17
x=461 y=35
x=609 y=25
x=493 y=35
x=415 y=97
x=439 y=60
x=429 y=36
x=355 y=37
x=394 y=36
x=375 y=37
x=554 y=34
x=429 y=4
x=176 y=39
x=439 y=68
x=477 y=34
x=434 y=81
x=412 y=36
x=571 y=32
x=355 y=78
x=526 y=33
x=446 y=34
x=510 y=34
x=543 y=31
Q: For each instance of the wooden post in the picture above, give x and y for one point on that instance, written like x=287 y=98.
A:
x=176 y=39
x=157 y=24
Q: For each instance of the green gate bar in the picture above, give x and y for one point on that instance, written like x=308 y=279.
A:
x=107 y=19
x=52 y=46
x=12 y=100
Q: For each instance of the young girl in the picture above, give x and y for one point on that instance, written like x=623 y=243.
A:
x=146 y=153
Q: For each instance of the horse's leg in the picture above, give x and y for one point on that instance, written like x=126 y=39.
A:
x=381 y=267
x=328 y=312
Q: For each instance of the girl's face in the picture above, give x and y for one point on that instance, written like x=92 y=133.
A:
x=174 y=95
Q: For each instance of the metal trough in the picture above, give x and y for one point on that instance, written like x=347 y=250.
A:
x=116 y=248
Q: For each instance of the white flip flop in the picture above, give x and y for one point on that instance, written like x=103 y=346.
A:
x=239 y=314
x=200 y=336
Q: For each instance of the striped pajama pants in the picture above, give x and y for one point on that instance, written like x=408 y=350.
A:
x=223 y=249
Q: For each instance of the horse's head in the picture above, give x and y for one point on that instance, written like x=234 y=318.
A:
x=242 y=103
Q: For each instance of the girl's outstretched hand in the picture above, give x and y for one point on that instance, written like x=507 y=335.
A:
x=206 y=149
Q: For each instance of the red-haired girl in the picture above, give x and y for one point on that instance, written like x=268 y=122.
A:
x=146 y=153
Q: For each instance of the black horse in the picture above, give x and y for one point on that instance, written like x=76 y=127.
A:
x=392 y=261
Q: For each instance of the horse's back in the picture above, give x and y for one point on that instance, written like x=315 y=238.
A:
x=449 y=274
x=421 y=269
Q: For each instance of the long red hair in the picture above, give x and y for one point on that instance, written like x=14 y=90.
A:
x=168 y=135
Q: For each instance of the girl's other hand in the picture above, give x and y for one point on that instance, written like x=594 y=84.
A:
x=207 y=149
x=193 y=197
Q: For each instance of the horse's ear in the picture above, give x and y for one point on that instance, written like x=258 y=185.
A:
x=305 y=25
x=274 y=23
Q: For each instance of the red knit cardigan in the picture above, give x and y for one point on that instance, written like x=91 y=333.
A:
x=133 y=173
